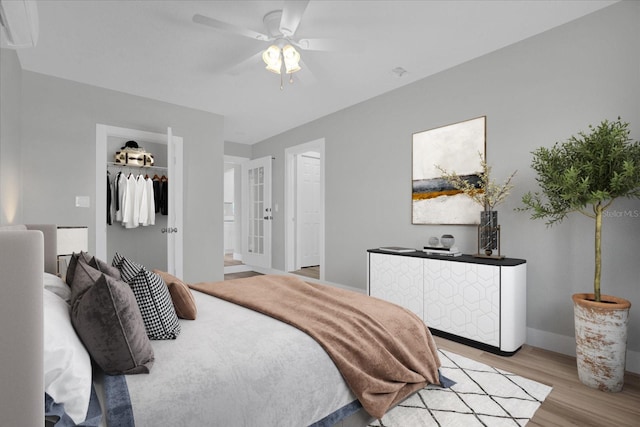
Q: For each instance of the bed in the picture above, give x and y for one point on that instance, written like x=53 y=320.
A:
x=232 y=365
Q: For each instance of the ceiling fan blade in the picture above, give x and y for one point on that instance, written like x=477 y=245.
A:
x=224 y=26
x=305 y=75
x=329 y=45
x=253 y=60
x=291 y=16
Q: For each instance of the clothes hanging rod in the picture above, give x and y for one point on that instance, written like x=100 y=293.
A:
x=164 y=168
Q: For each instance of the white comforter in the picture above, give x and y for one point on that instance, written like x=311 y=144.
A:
x=235 y=367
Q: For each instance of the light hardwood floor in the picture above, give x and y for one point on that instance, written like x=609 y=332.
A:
x=229 y=261
x=240 y=275
x=312 y=272
x=570 y=403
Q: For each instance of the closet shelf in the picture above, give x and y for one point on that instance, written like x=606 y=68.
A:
x=110 y=164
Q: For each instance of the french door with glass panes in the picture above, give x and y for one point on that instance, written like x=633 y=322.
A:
x=257 y=213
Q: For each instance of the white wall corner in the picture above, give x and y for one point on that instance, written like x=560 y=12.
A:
x=567 y=345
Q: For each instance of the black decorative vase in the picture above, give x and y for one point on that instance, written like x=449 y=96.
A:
x=488 y=233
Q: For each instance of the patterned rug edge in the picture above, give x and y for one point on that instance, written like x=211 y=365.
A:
x=482 y=396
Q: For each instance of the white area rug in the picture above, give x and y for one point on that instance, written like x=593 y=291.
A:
x=482 y=396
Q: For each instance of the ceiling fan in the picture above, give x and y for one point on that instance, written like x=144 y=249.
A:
x=281 y=56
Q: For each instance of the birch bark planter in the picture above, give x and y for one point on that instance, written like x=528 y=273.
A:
x=601 y=340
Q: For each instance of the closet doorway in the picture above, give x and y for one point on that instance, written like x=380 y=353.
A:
x=304 y=209
x=172 y=258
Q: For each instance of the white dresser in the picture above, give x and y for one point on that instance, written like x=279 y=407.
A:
x=476 y=301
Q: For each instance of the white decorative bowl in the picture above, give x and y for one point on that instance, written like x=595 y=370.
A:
x=447 y=240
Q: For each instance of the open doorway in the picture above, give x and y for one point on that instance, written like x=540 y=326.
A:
x=304 y=209
x=232 y=216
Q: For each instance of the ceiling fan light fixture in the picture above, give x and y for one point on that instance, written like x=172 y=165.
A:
x=273 y=59
x=291 y=59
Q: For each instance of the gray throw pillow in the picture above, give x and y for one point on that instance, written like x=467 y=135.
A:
x=83 y=275
x=79 y=286
x=73 y=262
x=104 y=267
x=108 y=321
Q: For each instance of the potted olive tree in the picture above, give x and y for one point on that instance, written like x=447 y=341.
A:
x=586 y=174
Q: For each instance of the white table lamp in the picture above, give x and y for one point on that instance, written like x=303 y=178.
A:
x=71 y=240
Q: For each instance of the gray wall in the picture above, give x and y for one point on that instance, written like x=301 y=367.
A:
x=534 y=93
x=10 y=174
x=58 y=143
x=238 y=150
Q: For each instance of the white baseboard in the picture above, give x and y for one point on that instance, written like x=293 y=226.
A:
x=567 y=345
x=237 y=269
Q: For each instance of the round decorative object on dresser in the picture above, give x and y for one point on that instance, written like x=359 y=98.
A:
x=447 y=240
x=434 y=241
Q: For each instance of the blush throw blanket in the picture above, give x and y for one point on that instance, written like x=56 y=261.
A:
x=383 y=351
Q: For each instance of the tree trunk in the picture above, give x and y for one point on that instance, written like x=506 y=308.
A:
x=598 y=251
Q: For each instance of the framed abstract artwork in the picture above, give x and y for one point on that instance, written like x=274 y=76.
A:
x=453 y=148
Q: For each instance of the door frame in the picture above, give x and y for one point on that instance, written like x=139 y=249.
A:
x=290 y=179
x=237 y=161
x=174 y=170
x=300 y=207
x=265 y=259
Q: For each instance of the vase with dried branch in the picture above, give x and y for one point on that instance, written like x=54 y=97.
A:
x=488 y=194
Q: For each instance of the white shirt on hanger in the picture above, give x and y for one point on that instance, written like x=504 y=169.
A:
x=150 y=203
x=141 y=200
x=131 y=213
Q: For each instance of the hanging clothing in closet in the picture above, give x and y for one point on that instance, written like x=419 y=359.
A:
x=133 y=200
x=161 y=194
x=109 y=198
x=164 y=196
x=130 y=209
x=157 y=193
x=120 y=183
x=150 y=217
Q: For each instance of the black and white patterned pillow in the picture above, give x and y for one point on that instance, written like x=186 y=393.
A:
x=117 y=261
x=128 y=268
x=154 y=300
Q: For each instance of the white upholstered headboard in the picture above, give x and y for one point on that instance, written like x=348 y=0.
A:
x=24 y=256
x=50 y=232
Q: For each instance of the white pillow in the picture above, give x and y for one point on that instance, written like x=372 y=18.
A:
x=56 y=285
x=67 y=366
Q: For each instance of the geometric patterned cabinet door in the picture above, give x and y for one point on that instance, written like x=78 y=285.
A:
x=397 y=279
x=478 y=302
x=463 y=299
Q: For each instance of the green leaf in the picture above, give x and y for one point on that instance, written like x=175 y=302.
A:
x=588 y=170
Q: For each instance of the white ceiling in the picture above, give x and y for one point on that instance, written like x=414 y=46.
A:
x=154 y=49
